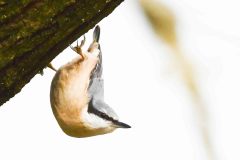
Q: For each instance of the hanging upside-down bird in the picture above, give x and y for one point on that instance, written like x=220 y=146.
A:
x=77 y=94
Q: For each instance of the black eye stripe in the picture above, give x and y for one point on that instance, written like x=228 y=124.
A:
x=102 y=115
x=98 y=113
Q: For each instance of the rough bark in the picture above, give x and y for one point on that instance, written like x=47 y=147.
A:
x=33 y=32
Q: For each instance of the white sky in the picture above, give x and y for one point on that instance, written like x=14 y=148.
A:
x=142 y=86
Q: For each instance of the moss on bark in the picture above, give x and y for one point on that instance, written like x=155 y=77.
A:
x=33 y=32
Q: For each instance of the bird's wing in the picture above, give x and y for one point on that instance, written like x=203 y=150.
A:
x=96 y=88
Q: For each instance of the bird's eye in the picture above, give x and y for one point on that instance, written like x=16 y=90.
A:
x=104 y=115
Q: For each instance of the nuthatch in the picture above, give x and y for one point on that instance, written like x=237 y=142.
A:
x=77 y=94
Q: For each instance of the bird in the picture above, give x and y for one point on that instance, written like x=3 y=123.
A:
x=77 y=94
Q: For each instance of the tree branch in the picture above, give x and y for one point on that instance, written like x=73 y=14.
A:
x=33 y=32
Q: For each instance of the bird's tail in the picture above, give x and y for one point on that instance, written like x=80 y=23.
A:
x=97 y=72
x=96 y=34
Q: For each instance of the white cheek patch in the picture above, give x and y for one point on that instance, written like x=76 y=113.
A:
x=93 y=121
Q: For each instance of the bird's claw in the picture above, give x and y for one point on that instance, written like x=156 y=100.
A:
x=78 y=48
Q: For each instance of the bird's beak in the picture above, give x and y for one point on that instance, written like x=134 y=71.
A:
x=118 y=124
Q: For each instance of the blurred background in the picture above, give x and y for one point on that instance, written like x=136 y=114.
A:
x=171 y=70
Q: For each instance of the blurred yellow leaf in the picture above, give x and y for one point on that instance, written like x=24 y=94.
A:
x=164 y=24
x=162 y=20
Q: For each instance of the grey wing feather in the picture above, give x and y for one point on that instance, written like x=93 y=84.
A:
x=101 y=106
x=96 y=88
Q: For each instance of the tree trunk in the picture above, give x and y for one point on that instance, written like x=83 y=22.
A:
x=33 y=32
